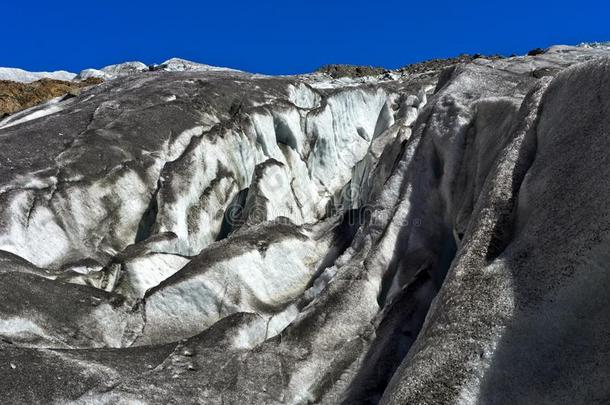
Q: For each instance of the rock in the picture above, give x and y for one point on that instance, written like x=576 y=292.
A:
x=338 y=71
x=536 y=51
x=16 y=96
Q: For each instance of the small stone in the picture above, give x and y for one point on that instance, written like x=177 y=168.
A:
x=13 y=366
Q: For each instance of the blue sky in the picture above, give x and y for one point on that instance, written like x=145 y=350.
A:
x=282 y=37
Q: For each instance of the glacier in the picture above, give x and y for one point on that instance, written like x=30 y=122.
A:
x=183 y=233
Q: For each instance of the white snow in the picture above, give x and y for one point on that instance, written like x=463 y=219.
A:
x=128 y=68
x=183 y=65
x=23 y=76
x=113 y=71
x=92 y=73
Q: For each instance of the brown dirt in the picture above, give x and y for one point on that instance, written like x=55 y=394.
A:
x=16 y=96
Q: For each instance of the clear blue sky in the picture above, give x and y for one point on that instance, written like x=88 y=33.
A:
x=282 y=37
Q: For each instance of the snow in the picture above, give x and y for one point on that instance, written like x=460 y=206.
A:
x=23 y=76
x=183 y=65
x=92 y=73
x=113 y=71
x=129 y=68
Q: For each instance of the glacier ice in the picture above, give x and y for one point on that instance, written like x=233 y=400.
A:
x=185 y=233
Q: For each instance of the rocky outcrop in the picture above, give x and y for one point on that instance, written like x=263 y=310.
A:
x=15 y=96
x=431 y=236
x=337 y=71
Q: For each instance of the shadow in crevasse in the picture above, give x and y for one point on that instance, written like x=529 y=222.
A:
x=147 y=222
x=394 y=336
x=342 y=236
x=422 y=255
x=232 y=217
